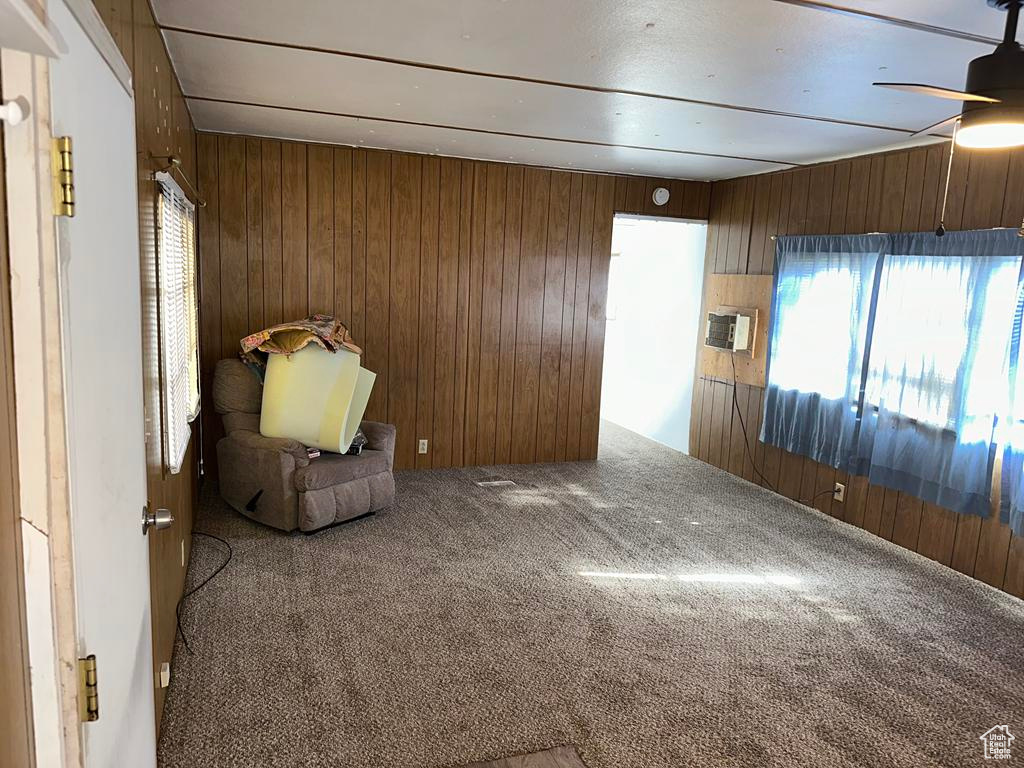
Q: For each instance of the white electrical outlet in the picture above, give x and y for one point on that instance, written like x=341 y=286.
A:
x=840 y=492
x=165 y=674
x=423 y=446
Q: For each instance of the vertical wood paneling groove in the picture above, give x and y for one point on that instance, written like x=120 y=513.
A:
x=509 y=314
x=403 y=296
x=447 y=312
x=378 y=279
x=358 y=244
x=254 y=230
x=294 y=264
x=491 y=315
x=568 y=309
x=428 y=314
x=270 y=164
x=580 y=314
x=600 y=258
x=462 y=329
x=342 y=169
x=320 y=228
x=234 y=304
x=537 y=186
x=551 y=322
x=477 y=224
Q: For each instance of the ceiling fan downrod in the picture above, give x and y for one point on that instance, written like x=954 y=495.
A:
x=1012 y=13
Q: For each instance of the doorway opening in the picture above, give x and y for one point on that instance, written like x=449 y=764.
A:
x=655 y=284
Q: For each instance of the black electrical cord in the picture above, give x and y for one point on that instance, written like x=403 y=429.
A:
x=203 y=583
x=746 y=443
x=815 y=497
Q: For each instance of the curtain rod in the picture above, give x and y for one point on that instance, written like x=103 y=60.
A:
x=1020 y=233
x=173 y=163
x=776 y=237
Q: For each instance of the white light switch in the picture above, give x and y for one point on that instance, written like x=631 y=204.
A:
x=423 y=446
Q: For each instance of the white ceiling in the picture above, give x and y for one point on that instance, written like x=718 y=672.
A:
x=680 y=88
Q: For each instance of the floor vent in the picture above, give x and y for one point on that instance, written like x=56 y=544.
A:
x=494 y=482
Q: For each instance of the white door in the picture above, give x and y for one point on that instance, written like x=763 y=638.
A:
x=100 y=308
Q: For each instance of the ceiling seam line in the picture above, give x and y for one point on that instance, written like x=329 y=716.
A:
x=917 y=26
x=489 y=132
x=537 y=81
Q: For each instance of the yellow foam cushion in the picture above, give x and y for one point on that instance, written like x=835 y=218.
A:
x=316 y=397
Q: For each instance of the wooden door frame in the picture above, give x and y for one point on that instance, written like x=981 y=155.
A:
x=38 y=375
x=16 y=729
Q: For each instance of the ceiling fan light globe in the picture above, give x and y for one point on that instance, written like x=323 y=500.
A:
x=991 y=135
x=999 y=75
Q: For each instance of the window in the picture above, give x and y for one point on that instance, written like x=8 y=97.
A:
x=939 y=351
x=818 y=333
x=888 y=357
x=826 y=298
x=1011 y=499
x=179 y=326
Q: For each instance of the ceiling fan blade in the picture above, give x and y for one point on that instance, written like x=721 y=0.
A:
x=934 y=90
x=936 y=126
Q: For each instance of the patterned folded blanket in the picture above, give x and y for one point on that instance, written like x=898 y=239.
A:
x=283 y=339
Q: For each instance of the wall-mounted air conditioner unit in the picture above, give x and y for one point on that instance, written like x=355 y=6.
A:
x=731 y=329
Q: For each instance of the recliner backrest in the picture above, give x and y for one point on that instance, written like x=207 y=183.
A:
x=236 y=388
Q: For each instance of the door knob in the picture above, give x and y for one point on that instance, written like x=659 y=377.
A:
x=160 y=519
x=13 y=112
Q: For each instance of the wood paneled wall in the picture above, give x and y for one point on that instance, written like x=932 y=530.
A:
x=477 y=290
x=894 y=192
x=163 y=127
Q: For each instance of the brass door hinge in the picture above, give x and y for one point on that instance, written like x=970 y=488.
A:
x=88 y=698
x=63 y=177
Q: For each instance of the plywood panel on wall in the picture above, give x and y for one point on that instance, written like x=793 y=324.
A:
x=897 y=191
x=477 y=290
x=739 y=292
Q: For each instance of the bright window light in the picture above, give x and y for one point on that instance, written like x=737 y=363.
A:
x=179 y=318
x=775 y=579
x=619 y=575
x=921 y=347
x=818 y=310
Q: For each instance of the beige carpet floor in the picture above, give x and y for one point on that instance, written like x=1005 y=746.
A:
x=647 y=608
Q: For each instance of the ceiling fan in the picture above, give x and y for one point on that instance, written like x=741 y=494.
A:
x=992 y=115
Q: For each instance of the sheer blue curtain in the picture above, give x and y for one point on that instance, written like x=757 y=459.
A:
x=1011 y=506
x=936 y=378
x=820 y=321
x=916 y=350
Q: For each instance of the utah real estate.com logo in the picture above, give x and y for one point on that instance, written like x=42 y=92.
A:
x=997 y=742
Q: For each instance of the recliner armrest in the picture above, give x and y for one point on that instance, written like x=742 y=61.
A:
x=380 y=437
x=257 y=441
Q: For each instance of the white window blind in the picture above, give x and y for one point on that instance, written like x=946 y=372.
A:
x=179 y=318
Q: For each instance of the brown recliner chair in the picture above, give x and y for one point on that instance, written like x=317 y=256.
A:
x=273 y=481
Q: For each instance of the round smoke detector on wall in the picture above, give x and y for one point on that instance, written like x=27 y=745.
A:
x=660 y=196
